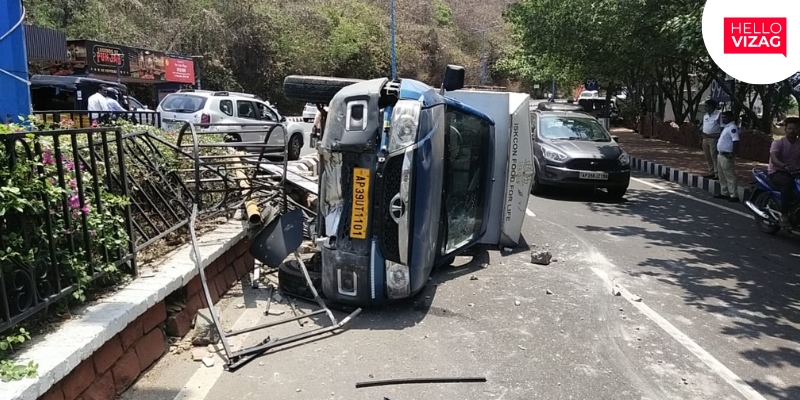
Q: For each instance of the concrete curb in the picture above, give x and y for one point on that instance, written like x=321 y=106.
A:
x=59 y=352
x=711 y=186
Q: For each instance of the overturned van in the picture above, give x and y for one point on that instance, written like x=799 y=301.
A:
x=410 y=177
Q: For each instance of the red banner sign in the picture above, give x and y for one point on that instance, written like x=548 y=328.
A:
x=755 y=36
x=179 y=70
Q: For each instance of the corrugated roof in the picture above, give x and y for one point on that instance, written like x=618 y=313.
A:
x=44 y=44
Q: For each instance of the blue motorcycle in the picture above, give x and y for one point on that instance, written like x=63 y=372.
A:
x=765 y=203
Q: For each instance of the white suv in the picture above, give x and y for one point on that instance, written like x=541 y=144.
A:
x=209 y=107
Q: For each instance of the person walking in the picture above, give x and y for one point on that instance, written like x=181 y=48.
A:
x=711 y=134
x=728 y=147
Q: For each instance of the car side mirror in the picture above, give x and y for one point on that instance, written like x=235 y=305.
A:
x=615 y=138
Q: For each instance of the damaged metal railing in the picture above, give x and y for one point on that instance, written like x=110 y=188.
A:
x=244 y=167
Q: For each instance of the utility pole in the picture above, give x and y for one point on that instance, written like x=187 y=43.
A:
x=394 y=54
x=483 y=50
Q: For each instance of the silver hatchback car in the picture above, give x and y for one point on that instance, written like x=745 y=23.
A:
x=571 y=148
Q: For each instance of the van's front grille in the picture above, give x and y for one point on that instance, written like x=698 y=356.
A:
x=389 y=231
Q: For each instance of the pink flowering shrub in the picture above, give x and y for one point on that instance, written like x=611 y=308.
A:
x=56 y=216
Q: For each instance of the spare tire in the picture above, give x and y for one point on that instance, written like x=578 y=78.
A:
x=314 y=89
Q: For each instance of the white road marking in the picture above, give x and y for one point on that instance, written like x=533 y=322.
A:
x=204 y=379
x=530 y=213
x=697 y=199
x=715 y=365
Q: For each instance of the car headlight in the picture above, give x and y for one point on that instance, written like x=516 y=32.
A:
x=555 y=156
x=624 y=158
x=405 y=123
x=398 y=281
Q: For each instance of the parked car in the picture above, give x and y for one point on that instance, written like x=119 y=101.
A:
x=209 y=107
x=572 y=149
x=310 y=112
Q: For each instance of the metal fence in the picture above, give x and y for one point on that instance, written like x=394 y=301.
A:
x=85 y=119
x=77 y=204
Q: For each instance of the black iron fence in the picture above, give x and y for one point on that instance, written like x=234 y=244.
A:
x=86 y=119
x=79 y=204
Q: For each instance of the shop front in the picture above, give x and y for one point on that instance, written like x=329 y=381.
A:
x=111 y=62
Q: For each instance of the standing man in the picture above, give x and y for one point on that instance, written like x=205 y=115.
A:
x=784 y=158
x=98 y=102
x=711 y=134
x=728 y=147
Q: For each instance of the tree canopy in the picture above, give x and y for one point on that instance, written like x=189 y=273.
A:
x=251 y=45
x=647 y=46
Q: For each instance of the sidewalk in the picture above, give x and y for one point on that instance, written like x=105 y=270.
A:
x=679 y=164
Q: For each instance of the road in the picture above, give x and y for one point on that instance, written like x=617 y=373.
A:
x=718 y=316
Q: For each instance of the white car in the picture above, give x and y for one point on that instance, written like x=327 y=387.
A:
x=141 y=112
x=209 y=107
x=310 y=112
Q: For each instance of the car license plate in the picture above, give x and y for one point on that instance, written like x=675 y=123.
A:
x=360 y=207
x=598 y=176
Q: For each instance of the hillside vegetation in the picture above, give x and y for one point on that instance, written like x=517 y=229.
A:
x=251 y=45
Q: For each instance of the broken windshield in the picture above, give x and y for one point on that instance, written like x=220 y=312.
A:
x=464 y=179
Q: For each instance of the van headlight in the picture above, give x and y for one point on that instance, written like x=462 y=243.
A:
x=624 y=158
x=552 y=155
x=398 y=281
x=405 y=123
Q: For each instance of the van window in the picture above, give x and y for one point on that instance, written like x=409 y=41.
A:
x=466 y=144
x=183 y=103
x=226 y=106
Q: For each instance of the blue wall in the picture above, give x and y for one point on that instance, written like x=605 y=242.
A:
x=16 y=98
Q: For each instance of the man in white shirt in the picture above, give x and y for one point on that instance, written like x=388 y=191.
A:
x=728 y=147
x=98 y=102
x=711 y=132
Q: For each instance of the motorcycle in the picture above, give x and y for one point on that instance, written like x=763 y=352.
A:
x=765 y=203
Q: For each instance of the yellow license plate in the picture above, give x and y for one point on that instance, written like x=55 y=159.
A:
x=360 y=209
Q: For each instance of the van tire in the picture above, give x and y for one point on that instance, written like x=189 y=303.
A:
x=291 y=280
x=314 y=89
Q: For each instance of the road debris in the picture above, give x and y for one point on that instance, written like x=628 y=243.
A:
x=276 y=312
x=636 y=298
x=541 y=257
x=205 y=332
x=473 y=278
x=407 y=381
x=508 y=249
x=548 y=291
x=517 y=303
x=239 y=306
x=471 y=305
x=616 y=291
x=521 y=347
x=199 y=354
x=277 y=297
x=208 y=361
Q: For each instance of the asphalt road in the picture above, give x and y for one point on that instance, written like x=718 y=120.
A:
x=718 y=317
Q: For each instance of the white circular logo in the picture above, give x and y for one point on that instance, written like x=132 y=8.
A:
x=756 y=42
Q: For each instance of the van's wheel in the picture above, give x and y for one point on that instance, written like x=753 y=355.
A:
x=295 y=146
x=292 y=281
x=314 y=89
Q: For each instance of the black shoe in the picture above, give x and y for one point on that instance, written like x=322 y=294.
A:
x=734 y=200
x=722 y=197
